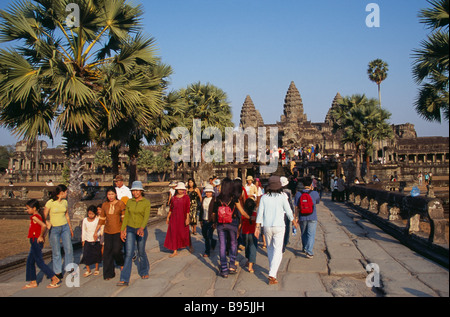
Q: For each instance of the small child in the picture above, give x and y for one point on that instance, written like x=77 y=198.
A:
x=248 y=233
x=207 y=219
x=92 y=249
x=102 y=228
x=36 y=234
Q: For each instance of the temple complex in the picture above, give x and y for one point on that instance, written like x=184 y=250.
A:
x=296 y=131
x=403 y=155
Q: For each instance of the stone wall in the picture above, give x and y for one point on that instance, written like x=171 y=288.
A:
x=418 y=222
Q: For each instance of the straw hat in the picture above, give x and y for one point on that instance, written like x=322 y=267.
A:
x=181 y=185
x=250 y=178
x=137 y=185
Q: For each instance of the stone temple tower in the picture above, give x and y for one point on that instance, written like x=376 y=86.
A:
x=250 y=117
x=329 y=118
x=293 y=107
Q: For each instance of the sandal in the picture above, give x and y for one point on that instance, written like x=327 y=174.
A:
x=86 y=274
x=224 y=275
x=30 y=286
x=96 y=272
x=122 y=283
x=145 y=277
x=272 y=280
x=51 y=285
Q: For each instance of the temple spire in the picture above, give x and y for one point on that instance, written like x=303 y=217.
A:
x=293 y=106
x=250 y=117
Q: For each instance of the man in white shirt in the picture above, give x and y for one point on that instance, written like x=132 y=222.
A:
x=251 y=189
x=122 y=190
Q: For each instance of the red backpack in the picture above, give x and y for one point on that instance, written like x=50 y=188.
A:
x=305 y=205
x=225 y=214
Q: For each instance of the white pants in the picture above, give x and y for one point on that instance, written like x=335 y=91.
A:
x=274 y=239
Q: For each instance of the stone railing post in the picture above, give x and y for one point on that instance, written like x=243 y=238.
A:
x=438 y=223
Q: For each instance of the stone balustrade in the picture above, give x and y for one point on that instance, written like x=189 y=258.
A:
x=424 y=216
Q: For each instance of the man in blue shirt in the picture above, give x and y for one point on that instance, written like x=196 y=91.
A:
x=308 y=224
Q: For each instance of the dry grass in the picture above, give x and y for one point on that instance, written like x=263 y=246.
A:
x=13 y=237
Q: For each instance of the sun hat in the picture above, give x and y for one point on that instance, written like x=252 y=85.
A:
x=284 y=181
x=208 y=188
x=216 y=182
x=137 y=185
x=274 y=183
x=250 y=178
x=173 y=184
x=181 y=185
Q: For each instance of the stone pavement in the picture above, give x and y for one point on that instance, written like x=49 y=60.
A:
x=345 y=244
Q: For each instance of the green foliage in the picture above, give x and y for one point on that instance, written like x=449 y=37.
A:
x=6 y=153
x=155 y=163
x=102 y=158
x=209 y=104
x=361 y=122
x=431 y=64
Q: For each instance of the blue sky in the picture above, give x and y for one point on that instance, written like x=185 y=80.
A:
x=257 y=47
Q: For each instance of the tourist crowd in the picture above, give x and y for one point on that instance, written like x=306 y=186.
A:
x=115 y=233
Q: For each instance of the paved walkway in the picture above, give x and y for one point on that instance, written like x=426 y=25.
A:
x=345 y=244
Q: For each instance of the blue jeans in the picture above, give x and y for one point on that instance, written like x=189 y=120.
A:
x=227 y=231
x=251 y=244
x=308 y=230
x=142 y=263
x=207 y=232
x=35 y=258
x=58 y=234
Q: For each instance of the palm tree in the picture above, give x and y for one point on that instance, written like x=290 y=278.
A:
x=362 y=123
x=209 y=104
x=377 y=72
x=124 y=126
x=431 y=62
x=55 y=75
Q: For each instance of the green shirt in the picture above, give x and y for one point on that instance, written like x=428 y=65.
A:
x=136 y=213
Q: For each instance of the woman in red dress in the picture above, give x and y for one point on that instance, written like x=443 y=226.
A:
x=178 y=236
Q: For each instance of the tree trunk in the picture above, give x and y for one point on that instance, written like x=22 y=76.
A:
x=368 y=165
x=115 y=160
x=76 y=169
x=358 y=163
x=76 y=146
x=133 y=154
x=379 y=94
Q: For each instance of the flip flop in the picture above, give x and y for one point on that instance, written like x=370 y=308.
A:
x=86 y=274
x=30 y=286
x=53 y=285
x=122 y=284
x=96 y=272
